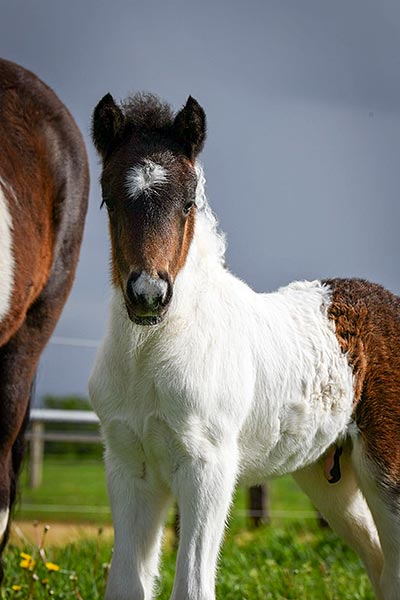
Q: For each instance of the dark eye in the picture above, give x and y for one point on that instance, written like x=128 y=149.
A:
x=187 y=208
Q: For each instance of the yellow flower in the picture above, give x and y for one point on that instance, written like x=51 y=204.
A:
x=27 y=561
x=52 y=567
x=16 y=588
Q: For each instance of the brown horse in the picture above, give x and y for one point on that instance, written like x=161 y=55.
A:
x=44 y=182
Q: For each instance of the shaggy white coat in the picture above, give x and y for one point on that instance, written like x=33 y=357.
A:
x=233 y=386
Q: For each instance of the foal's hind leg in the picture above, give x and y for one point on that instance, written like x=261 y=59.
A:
x=380 y=485
x=344 y=507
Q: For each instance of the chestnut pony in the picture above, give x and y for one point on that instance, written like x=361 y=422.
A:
x=201 y=383
x=44 y=183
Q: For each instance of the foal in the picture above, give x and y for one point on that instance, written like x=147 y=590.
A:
x=201 y=383
x=44 y=183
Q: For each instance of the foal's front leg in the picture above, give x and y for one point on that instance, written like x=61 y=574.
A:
x=139 y=504
x=204 y=488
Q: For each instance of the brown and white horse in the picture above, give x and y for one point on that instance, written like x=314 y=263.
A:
x=44 y=183
x=202 y=383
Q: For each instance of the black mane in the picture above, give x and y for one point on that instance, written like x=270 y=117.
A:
x=147 y=111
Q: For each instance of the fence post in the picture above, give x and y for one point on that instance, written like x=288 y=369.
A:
x=258 y=505
x=36 y=454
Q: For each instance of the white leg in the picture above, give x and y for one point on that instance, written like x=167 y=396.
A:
x=384 y=502
x=139 y=508
x=204 y=491
x=344 y=507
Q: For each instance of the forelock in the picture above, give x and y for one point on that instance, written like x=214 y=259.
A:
x=147 y=111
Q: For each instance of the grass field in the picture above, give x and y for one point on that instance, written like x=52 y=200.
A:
x=290 y=559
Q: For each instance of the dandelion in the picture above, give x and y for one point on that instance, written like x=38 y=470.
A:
x=27 y=561
x=52 y=566
x=16 y=588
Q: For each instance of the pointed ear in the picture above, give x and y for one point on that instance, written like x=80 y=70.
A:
x=107 y=124
x=189 y=128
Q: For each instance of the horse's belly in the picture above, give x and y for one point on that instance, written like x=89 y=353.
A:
x=294 y=439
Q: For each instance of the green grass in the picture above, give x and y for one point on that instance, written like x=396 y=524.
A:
x=290 y=559
x=293 y=562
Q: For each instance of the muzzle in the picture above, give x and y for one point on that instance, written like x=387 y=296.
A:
x=148 y=297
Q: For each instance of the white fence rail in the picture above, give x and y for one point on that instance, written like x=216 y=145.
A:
x=37 y=435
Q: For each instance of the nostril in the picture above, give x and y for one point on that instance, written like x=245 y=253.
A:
x=134 y=276
x=130 y=286
x=164 y=276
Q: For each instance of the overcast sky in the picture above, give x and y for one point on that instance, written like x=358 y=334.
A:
x=303 y=151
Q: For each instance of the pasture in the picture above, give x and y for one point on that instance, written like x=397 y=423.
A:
x=290 y=559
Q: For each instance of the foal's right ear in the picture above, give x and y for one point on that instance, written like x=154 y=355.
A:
x=107 y=124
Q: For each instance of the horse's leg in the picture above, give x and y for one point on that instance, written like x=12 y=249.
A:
x=19 y=357
x=139 y=504
x=18 y=362
x=9 y=471
x=344 y=507
x=379 y=480
x=204 y=488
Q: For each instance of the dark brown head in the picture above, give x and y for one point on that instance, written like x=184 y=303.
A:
x=149 y=188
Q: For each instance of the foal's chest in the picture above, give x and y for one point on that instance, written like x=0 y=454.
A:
x=284 y=395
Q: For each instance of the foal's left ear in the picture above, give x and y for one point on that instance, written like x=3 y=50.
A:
x=189 y=128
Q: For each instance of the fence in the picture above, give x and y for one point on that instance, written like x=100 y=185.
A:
x=37 y=435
